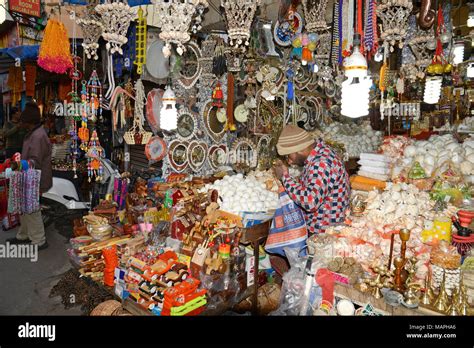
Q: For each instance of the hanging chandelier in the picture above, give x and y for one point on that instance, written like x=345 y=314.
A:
x=116 y=18
x=239 y=15
x=394 y=16
x=174 y=18
x=92 y=29
x=314 y=12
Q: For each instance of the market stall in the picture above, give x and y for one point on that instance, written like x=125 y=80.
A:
x=168 y=131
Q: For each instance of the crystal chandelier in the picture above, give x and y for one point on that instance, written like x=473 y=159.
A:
x=314 y=12
x=174 y=18
x=239 y=15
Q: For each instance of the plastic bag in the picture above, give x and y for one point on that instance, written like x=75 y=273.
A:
x=288 y=229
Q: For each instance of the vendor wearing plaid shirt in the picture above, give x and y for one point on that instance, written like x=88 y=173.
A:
x=323 y=190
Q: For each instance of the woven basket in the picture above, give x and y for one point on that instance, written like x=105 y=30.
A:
x=107 y=308
x=422 y=184
x=129 y=137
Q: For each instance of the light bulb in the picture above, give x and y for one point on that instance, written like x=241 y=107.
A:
x=168 y=118
x=470 y=20
x=470 y=70
x=432 y=89
x=355 y=97
x=458 y=53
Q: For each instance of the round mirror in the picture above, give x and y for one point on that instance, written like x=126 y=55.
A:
x=217 y=156
x=214 y=128
x=187 y=125
x=189 y=64
x=179 y=155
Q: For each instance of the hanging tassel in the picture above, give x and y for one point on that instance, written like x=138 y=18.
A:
x=54 y=53
x=30 y=77
x=230 y=102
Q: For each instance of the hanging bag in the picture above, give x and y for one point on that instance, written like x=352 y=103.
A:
x=288 y=229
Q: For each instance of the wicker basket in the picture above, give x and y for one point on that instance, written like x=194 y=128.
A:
x=107 y=308
x=422 y=184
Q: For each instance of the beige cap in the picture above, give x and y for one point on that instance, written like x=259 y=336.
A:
x=293 y=139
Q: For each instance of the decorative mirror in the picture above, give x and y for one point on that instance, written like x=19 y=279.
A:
x=197 y=155
x=313 y=105
x=217 y=156
x=187 y=124
x=178 y=155
x=264 y=152
x=214 y=128
x=190 y=67
x=243 y=155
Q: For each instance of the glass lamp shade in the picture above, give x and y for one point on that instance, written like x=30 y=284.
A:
x=355 y=97
x=168 y=118
x=432 y=90
x=458 y=53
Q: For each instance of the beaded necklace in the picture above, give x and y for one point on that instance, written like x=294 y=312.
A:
x=335 y=33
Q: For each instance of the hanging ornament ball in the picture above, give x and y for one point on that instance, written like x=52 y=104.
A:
x=305 y=40
x=312 y=46
x=239 y=41
x=431 y=45
x=400 y=45
x=313 y=37
x=445 y=37
x=166 y=51
x=392 y=49
x=448 y=68
x=297 y=42
x=438 y=69
x=247 y=43
x=179 y=50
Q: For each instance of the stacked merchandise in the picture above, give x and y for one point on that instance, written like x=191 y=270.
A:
x=373 y=173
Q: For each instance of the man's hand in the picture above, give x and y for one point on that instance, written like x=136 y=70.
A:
x=280 y=169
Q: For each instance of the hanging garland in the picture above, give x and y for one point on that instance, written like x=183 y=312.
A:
x=54 y=53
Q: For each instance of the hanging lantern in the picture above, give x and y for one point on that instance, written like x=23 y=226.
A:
x=168 y=113
x=458 y=52
x=432 y=89
x=355 y=90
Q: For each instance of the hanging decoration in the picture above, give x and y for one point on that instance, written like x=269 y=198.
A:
x=218 y=96
x=30 y=80
x=230 y=102
x=92 y=29
x=419 y=47
x=303 y=47
x=54 y=53
x=219 y=65
x=94 y=97
x=140 y=44
x=116 y=18
x=370 y=34
x=239 y=15
x=174 y=18
x=94 y=154
x=314 y=12
x=201 y=6
x=284 y=31
x=83 y=130
x=137 y=134
x=15 y=83
x=394 y=16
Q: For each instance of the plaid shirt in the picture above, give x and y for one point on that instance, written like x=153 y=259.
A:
x=322 y=191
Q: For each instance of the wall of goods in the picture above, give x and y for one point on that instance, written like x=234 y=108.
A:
x=386 y=83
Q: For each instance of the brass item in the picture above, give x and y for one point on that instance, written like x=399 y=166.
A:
x=412 y=295
x=441 y=303
x=398 y=282
x=428 y=295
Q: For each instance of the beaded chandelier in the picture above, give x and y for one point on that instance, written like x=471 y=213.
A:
x=239 y=15
x=174 y=17
x=116 y=18
x=314 y=12
x=394 y=16
x=92 y=29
